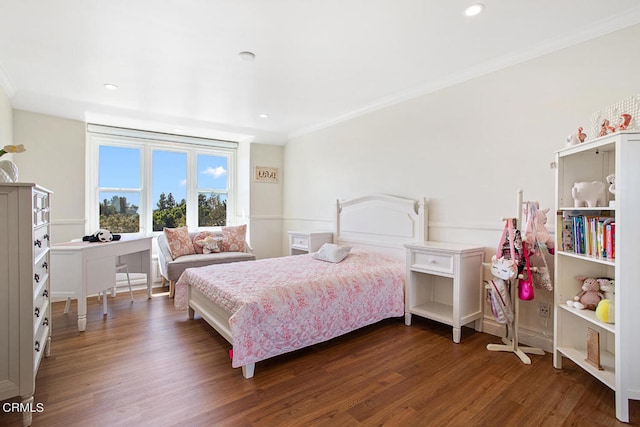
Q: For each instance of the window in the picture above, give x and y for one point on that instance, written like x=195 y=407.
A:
x=119 y=184
x=142 y=185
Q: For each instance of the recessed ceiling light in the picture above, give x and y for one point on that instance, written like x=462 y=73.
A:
x=247 y=56
x=264 y=116
x=177 y=130
x=474 y=9
x=110 y=86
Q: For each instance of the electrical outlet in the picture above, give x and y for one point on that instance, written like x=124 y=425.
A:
x=543 y=309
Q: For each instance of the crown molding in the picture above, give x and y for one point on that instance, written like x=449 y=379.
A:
x=615 y=23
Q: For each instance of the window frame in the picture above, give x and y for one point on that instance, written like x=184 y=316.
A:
x=147 y=145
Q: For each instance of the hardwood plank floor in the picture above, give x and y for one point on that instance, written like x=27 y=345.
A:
x=146 y=364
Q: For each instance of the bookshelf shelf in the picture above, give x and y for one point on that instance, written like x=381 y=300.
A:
x=584 y=247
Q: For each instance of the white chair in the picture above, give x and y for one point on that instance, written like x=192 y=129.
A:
x=122 y=279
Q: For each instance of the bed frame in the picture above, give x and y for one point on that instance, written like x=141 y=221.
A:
x=378 y=222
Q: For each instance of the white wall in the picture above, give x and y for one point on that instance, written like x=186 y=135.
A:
x=467 y=148
x=266 y=203
x=6 y=122
x=55 y=159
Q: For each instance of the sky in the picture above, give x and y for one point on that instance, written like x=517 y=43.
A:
x=120 y=168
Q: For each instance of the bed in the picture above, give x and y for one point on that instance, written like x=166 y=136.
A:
x=272 y=306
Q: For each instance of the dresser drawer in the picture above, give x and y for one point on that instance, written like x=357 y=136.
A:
x=41 y=271
x=40 y=208
x=40 y=241
x=425 y=261
x=300 y=242
x=40 y=342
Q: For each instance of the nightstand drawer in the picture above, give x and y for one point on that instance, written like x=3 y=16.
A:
x=300 y=242
x=441 y=263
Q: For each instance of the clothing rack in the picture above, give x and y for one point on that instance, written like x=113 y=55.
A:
x=511 y=344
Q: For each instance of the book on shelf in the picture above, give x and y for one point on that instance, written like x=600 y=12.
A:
x=592 y=235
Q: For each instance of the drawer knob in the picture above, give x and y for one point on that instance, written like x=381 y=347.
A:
x=45 y=322
x=46 y=237
x=45 y=293
x=45 y=265
x=37 y=346
x=37 y=243
x=36 y=312
x=36 y=277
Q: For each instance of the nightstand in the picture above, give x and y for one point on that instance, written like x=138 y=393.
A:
x=304 y=242
x=444 y=283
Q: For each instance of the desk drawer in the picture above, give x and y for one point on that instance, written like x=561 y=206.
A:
x=441 y=263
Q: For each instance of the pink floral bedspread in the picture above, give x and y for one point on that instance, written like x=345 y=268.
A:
x=283 y=304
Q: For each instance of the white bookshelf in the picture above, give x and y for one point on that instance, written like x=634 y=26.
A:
x=618 y=153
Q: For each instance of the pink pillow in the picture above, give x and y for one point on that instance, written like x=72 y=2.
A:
x=200 y=236
x=233 y=238
x=179 y=242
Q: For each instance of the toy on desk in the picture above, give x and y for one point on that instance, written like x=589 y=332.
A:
x=589 y=194
x=590 y=295
x=102 y=235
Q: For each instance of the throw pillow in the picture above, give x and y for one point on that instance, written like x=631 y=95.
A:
x=233 y=238
x=331 y=252
x=179 y=242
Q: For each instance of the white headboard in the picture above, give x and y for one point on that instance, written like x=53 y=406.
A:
x=381 y=222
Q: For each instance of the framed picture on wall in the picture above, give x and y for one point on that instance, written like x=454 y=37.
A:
x=267 y=174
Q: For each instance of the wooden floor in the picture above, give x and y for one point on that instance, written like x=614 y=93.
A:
x=146 y=364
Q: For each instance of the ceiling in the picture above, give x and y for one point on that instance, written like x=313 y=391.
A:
x=317 y=62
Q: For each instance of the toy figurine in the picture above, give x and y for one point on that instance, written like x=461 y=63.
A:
x=576 y=138
x=605 y=128
x=623 y=123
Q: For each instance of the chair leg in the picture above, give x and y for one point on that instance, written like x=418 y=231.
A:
x=104 y=302
x=172 y=288
x=129 y=282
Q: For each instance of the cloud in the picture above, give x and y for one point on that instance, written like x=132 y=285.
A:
x=215 y=172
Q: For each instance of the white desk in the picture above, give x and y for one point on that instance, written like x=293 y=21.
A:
x=83 y=268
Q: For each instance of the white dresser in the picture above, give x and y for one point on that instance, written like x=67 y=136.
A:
x=25 y=311
x=304 y=242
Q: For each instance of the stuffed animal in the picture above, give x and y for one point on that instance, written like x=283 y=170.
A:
x=608 y=288
x=536 y=231
x=590 y=295
x=611 y=180
x=589 y=194
x=209 y=244
x=102 y=235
